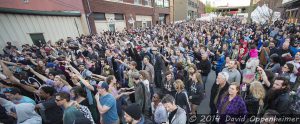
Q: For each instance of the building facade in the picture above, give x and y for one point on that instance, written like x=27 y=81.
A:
x=116 y=15
x=291 y=10
x=185 y=9
x=37 y=21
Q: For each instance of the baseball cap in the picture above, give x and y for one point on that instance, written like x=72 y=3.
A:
x=103 y=85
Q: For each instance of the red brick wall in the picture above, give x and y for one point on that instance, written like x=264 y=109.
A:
x=44 y=5
x=114 y=7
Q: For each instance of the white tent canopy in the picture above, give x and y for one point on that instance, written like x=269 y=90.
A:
x=263 y=14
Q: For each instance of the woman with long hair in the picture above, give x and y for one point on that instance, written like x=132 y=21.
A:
x=192 y=69
x=197 y=92
x=231 y=103
x=181 y=97
x=254 y=101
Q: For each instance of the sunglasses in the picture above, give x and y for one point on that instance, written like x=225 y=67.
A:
x=57 y=100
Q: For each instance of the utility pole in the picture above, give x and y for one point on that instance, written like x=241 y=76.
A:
x=250 y=8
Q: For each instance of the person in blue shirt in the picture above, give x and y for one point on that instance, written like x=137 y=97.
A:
x=106 y=104
x=14 y=94
x=220 y=61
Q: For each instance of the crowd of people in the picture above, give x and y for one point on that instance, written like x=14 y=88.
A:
x=155 y=75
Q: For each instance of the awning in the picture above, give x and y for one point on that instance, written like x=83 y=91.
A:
x=233 y=12
x=36 y=12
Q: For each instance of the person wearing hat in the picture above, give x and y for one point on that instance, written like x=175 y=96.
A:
x=106 y=104
x=217 y=90
x=133 y=115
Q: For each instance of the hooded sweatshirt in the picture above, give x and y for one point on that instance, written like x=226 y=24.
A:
x=26 y=114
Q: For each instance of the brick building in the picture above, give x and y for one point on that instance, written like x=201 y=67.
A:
x=38 y=21
x=115 y=15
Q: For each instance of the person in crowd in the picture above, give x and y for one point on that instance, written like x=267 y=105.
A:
x=176 y=115
x=264 y=54
x=197 y=92
x=106 y=104
x=145 y=79
x=118 y=94
x=159 y=67
x=50 y=112
x=71 y=113
x=277 y=97
x=219 y=62
x=231 y=103
x=149 y=68
x=14 y=94
x=191 y=71
x=274 y=64
x=25 y=114
x=217 y=90
x=251 y=65
x=159 y=112
x=243 y=54
x=204 y=67
x=234 y=74
x=58 y=83
x=255 y=100
x=169 y=84
x=133 y=115
x=288 y=71
x=141 y=95
x=181 y=96
x=79 y=95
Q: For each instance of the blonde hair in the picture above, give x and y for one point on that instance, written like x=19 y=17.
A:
x=179 y=85
x=258 y=91
x=198 y=77
x=144 y=74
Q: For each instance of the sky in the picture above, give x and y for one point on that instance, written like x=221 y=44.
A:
x=217 y=3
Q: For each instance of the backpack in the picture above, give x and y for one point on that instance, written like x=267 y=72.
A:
x=85 y=111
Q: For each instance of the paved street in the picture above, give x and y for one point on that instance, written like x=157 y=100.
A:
x=204 y=106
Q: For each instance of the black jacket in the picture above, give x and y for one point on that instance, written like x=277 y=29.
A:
x=181 y=99
x=214 y=91
x=280 y=104
x=204 y=66
x=252 y=104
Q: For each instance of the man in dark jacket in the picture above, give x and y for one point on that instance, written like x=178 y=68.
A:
x=159 y=65
x=133 y=115
x=217 y=90
x=204 y=67
x=50 y=112
x=278 y=96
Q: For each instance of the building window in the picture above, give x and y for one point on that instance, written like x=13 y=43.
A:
x=137 y=2
x=148 y=3
x=166 y=3
x=99 y=16
x=119 y=16
x=162 y=3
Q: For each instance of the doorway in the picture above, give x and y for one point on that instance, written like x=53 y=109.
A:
x=37 y=39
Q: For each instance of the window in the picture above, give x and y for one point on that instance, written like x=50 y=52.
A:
x=99 y=16
x=37 y=39
x=162 y=3
x=148 y=3
x=137 y=2
x=159 y=3
x=166 y=3
x=119 y=16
